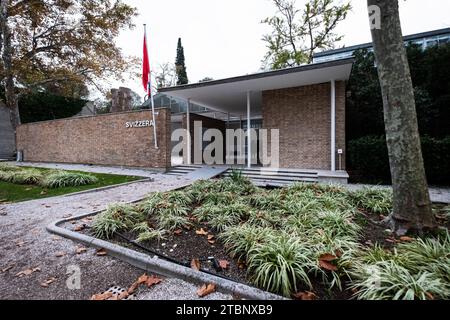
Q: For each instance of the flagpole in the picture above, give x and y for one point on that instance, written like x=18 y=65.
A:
x=150 y=94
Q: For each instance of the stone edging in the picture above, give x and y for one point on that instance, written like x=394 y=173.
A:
x=158 y=265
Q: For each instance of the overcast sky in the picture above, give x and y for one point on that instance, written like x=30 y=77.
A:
x=222 y=38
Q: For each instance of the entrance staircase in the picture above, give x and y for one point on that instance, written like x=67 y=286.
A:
x=268 y=177
x=262 y=177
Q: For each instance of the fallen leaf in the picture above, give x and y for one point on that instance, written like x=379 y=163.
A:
x=102 y=253
x=406 y=239
x=56 y=238
x=390 y=240
x=178 y=232
x=339 y=253
x=224 y=264
x=78 y=228
x=43 y=193
x=429 y=295
x=6 y=269
x=102 y=297
x=20 y=244
x=81 y=250
x=45 y=284
x=327 y=265
x=212 y=242
x=201 y=232
x=27 y=272
x=211 y=237
x=327 y=257
x=61 y=254
x=305 y=296
x=153 y=280
x=195 y=264
x=206 y=290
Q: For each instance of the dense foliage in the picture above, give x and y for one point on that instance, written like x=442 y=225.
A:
x=295 y=238
x=367 y=150
x=43 y=106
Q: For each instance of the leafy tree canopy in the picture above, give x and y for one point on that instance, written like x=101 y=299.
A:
x=298 y=33
x=64 y=45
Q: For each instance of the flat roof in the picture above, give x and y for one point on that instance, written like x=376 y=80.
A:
x=230 y=95
x=411 y=37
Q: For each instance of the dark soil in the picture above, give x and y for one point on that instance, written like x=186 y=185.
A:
x=188 y=245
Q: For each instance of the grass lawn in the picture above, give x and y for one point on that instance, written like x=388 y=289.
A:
x=11 y=193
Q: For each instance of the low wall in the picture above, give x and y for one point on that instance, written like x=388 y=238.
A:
x=100 y=140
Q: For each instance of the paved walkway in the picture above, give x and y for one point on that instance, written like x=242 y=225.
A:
x=25 y=244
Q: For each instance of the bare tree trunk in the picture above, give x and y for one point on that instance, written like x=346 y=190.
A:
x=10 y=94
x=412 y=205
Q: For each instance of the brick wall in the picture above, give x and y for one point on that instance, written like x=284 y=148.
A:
x=303 y=116
x=101 y=140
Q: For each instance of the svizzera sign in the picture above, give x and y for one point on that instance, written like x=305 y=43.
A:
x=139 y=124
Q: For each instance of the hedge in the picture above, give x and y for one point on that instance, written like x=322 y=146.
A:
x=368 y=160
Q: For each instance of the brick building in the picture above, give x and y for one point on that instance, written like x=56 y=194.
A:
x=305 y=104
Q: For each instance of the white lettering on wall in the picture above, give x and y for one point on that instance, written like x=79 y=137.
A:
x=139 y=124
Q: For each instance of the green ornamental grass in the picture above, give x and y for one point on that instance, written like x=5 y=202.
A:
x=63 y=179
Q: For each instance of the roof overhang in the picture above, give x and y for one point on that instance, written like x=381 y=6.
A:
x=230 y=95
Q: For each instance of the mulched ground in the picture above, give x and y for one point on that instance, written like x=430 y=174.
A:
x=187 y=245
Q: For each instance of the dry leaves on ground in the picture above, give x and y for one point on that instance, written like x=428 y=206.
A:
x=27 y=272
x=6 y=269
x=178 y=232
x=195 y=264
x=206 y=290
x=81 y=250
x=325 y=262
x=101 y=253
x=79 y=228
x=224 y=264
x=144 y=279
x=20 y=243
x=48 y=282
x=406 y=239
x=306 y=296
x=201 y=232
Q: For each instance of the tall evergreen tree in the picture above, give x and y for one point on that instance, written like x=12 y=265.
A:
x=180 y=66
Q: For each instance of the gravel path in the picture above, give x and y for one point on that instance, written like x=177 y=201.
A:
x=25 y=244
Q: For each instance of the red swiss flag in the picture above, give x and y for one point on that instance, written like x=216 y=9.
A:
x=145 y=67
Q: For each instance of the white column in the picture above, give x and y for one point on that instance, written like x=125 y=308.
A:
x=188 y=135
x=333 y=125
x=249 y=130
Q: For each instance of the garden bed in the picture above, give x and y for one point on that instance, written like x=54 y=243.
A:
x=28 y=183
x=307 y=241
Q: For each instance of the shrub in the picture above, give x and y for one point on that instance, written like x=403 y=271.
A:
x=24 y=176
x=368 y=156
x=63 y=179
x=279 y=265
x=387 y=280
x=373 y=200
x=416 y=270
x=239 y=240
x=116 y=218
